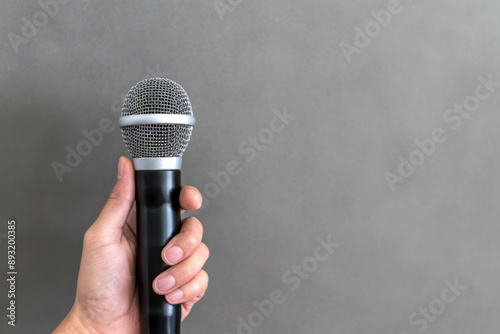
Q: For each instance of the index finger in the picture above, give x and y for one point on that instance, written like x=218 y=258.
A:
x=190 y=199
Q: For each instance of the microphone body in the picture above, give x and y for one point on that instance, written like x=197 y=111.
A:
x=156 y=124
x=158 y=220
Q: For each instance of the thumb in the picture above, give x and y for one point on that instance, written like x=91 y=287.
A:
x=114 y=214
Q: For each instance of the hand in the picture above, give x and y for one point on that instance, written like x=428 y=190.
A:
x=107 y=295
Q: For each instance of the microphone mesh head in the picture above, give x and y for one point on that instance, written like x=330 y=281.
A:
x=156 y=96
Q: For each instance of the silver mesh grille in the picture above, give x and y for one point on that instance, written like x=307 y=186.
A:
x=156 y=96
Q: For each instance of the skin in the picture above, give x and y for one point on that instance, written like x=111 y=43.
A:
x=107 y=298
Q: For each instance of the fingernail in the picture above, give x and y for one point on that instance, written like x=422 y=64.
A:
x=165 y=283
x=121 y=168
x=175 y=295
x=174 y=254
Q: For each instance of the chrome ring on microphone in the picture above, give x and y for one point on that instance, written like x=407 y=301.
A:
x=165 y=163
x=156 y=119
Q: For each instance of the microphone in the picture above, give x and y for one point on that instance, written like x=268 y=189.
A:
x=156 y=124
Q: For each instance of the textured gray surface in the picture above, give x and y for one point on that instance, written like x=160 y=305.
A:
x=323 y=174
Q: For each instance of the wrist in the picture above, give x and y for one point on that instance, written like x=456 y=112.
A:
x=72 y=324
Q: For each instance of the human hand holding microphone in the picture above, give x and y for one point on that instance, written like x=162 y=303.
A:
x=147 y=239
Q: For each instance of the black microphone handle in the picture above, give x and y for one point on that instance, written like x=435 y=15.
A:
x=158 y=220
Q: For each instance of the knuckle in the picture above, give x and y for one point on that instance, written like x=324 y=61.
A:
x=201 y=293
x=198 y=224
x=191 y=240
x=114 y=196
x=204 y=273
x=196 y=287
x=204 y=277
x=193 y=223
x=205 y=250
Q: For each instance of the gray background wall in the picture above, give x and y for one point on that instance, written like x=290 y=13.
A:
x=323 y=175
